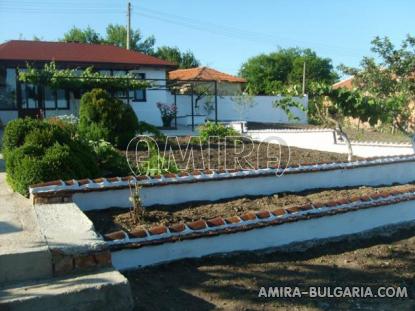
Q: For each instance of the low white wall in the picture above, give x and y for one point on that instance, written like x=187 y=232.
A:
x=268 y=237
x=222 y=189
x=309 y=139
x=211 y=189
x=323 y=140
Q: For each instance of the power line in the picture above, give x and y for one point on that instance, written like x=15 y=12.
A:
x=41 y=7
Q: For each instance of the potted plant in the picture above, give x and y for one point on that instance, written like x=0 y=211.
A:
x=168 y=113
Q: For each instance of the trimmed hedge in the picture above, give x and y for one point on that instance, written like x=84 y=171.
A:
x=103 y=117
x=37 y=151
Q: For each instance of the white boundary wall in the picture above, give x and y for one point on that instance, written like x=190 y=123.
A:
x=260 y=109
x=269 y=237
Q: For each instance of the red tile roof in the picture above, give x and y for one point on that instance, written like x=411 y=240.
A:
x=22 y=50
x=203 y=74
x=344 y=84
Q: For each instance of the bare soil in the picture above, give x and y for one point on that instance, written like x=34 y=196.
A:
x=220 y=156
x=233 y=282
x=114 y=219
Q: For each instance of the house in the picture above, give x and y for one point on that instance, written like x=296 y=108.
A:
x=227 y=85
x=344 y=84
x=20 y=100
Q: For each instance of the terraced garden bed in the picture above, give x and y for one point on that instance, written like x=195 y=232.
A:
x=114 y=219
x=263 y=155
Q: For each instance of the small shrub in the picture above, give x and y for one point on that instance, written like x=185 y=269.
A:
x=110 y=160
x=107 y=118
x=17 y=130
x=38 y=151
x=210 y=129
x=156 y=165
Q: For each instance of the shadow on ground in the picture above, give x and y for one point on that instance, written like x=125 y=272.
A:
x=233 y=282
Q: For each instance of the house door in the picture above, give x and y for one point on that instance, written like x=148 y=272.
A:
x=31 y=101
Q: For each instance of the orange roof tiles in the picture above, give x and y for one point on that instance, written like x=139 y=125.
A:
x=203 y=74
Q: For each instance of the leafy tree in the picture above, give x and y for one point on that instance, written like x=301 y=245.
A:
x=115 y=35
x=388 y=79
x=173 y=54
x=87 y=35
x=270 y=74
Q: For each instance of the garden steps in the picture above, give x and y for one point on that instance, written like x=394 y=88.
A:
x=24 y=254
x=104 y=290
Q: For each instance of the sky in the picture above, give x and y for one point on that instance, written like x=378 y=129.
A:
x=223 y=34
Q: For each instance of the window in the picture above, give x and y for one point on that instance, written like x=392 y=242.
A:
x=56 y=99
x=139 y=95
x=50 y=100
x=120 y=73
x=30 y=96
x=62 y=99
x=7 y=88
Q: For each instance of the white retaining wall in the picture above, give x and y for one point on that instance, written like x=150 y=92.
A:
x=268 y=237
x=214 y=188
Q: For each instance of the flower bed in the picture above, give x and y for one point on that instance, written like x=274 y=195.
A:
x=289 y=227
x=217 y=153
x=114 y=219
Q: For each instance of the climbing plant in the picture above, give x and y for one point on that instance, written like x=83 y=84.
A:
x=73 y=79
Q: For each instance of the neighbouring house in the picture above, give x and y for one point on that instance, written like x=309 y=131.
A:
x=227 y=85
x=20 y=100
x=344 y=84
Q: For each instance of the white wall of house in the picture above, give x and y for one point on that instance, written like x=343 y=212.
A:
x=147 y=110
x=8 y=115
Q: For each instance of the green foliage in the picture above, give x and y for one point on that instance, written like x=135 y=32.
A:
x=173 y=54
x=110 y=161
x=87 y=35
x=388 y=80
x=286 y=104
x=71 y=79
x=271 y=74
x=115 y=35
x=156 y=164
x=211 y=129
x=38 y=151
x=107 y=118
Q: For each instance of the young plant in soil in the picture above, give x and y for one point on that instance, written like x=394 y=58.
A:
x=137 y=211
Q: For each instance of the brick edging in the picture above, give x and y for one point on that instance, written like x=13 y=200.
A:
x=63 y=190
x=251 y=220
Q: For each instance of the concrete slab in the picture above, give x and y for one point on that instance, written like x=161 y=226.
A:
x=107 y=290
x=24 y=253
x=66 y=228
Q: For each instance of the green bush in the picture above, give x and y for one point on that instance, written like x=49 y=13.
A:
x=156 y=164
x=210 y=129
x=107 y=118
x=38 y=151
x=110 y=160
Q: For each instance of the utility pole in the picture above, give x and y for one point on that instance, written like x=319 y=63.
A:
x=304 y=79
x=128 y=24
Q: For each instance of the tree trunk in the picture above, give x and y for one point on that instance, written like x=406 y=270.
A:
x=340 y=132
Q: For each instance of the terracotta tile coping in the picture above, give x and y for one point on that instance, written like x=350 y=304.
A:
x=206 y=228
x=58 y=188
